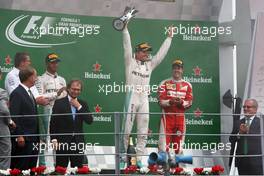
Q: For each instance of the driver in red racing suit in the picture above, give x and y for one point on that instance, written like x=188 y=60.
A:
x=175 y=96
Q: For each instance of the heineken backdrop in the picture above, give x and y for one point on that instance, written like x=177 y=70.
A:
x=90 y=49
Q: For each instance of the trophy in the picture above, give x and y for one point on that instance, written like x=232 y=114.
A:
x=119 y=23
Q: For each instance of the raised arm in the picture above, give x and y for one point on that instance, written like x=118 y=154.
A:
x=156 y=60
x=127 y=46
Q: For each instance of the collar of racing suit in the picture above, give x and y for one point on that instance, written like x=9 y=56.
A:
x=177 y=80
x=54 y=76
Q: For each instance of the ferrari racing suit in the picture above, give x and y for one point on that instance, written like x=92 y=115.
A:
x=173 y=123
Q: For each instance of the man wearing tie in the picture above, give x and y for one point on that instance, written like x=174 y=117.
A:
x=70 y=122
x=23 y=108
x=248 y=145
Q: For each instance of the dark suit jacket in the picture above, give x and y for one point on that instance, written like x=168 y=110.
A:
x=253 y=142
x=65 y=123
x=21 y=104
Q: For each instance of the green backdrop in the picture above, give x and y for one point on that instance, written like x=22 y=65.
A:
x=97 y=58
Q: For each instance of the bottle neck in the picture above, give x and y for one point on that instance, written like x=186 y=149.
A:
x=131 y=141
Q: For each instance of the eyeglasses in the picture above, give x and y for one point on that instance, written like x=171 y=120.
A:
x=248 y=107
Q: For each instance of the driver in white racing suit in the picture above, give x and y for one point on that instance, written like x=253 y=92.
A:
x=138 y=72
x=51 y=86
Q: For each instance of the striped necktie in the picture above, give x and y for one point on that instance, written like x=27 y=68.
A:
x=31 y=97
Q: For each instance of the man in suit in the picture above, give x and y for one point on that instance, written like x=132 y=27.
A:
x=23 y=108
x=70 y=123
x=248 y=145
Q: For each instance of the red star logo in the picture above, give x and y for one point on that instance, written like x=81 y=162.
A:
x=97 y=108
x=8 y=60
x=197 y=29
x=197 y=71
x=198 y=113
x=97 y=67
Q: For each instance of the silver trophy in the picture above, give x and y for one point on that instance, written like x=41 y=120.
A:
x=119 y=23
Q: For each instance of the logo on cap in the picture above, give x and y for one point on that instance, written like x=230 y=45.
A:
x=177 y=62
x=143 y=47
x=52 y=58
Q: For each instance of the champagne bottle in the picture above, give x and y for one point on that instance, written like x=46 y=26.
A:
x=131 y=153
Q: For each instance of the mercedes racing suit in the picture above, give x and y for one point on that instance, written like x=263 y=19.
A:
x=137 y=79
x=48 y=86
x=173 y=123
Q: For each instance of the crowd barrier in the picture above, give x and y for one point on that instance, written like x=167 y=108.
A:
x=117 y=135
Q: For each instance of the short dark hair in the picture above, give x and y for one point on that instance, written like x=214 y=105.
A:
x=24 y=74
x=20 y=57
x=73 y=81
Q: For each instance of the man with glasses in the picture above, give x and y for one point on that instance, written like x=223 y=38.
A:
x=68 y=115
x=248 y=145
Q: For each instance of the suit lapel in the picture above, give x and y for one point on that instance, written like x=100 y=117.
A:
x=24 y=92
x=253 y=126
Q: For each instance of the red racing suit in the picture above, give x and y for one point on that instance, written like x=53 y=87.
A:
x=173 y=123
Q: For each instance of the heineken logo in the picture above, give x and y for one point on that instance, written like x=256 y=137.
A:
x=102 y=117
x=7 y=64
x=8 y=60
x=96 y=72
x=201 y=122
x=198 y=113
x=97 y=67
x=197 y=29
x=97 y=108
x=198 y=120
x=198 y=76
x=197 y=71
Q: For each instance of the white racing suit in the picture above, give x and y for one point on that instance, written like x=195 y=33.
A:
x=136 y=104
x=48 y=86
x=12 y=81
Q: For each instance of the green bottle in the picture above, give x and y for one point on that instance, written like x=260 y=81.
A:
x=131 y=153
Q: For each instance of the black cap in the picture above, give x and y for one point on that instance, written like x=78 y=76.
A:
x=52 y=57
x=143 y=47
